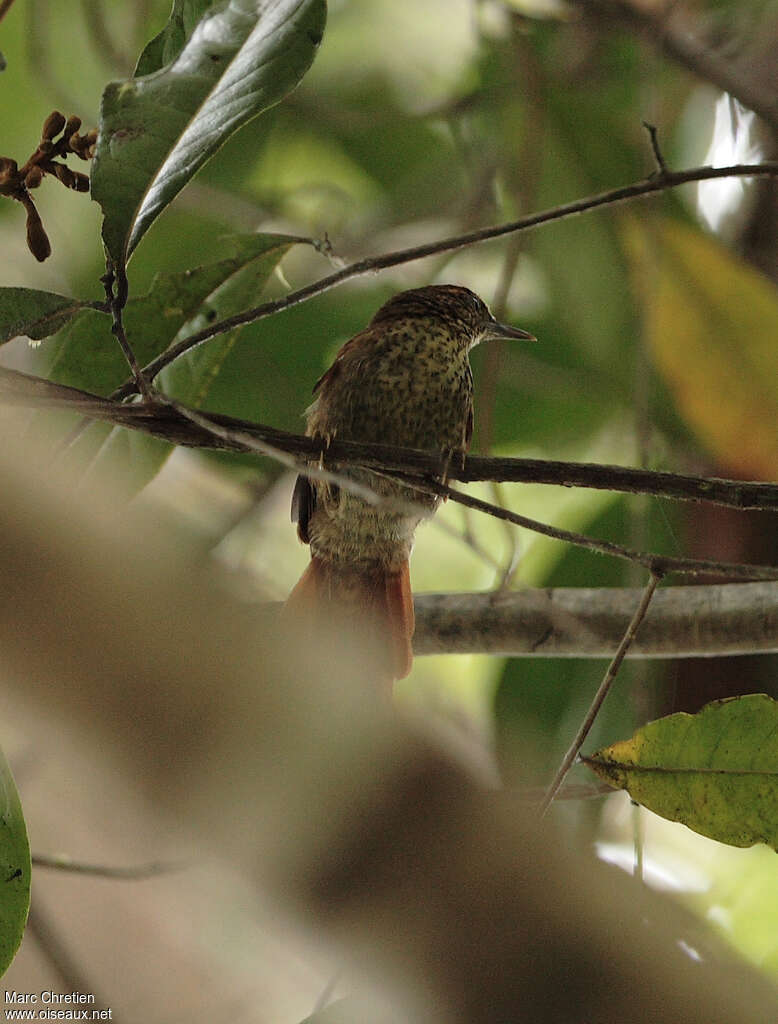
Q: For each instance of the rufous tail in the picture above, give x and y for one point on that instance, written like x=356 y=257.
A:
x=380 y=602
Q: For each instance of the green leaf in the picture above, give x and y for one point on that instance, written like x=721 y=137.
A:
x=156 y=131
x=34 y=313
x=165 y=47
x=716 y=771
x=86 y=355
x=14 y=868
x=191 y=376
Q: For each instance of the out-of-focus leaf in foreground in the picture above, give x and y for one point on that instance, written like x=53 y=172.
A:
x=157 y=130
x=14 y=868
x=716 y=771
x=713 y=324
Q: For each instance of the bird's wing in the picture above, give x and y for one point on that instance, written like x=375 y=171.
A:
x=303 y=505
x=350 y=350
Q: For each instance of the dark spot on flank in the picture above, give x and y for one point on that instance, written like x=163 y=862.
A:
x=315 y=37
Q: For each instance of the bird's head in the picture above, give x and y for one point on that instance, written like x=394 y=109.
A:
x=455 y=308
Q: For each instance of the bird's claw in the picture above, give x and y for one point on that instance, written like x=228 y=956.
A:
x=326 y=440
x=452 y=457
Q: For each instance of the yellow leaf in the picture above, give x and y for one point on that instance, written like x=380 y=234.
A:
x=712 y=324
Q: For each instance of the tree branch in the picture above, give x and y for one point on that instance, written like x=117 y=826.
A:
x=661 y=565
x=221 y=432
x=168 y=422
x=682 y=622
x=650 y=186
x=134 y=872
x=602 y=691
x=686 y=51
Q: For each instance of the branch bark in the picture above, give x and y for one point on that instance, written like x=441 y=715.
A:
x=682 y=622
x=164 y=421
x=687 y=51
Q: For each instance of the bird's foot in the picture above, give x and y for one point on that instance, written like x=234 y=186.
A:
x=326 y=440
x=452 y=457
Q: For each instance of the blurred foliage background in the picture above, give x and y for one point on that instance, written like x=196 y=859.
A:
x=657 y=321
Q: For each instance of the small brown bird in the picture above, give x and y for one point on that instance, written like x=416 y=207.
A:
x=404 y=380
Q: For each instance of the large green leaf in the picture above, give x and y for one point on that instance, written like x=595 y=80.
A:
x=716 y=771
x=34 y=313
x=14 y=868
x=156 y=131
x=165 y=47
x=191 y=376
x=85 y=353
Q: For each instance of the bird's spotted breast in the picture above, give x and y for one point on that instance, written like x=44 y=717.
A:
x=412 y=387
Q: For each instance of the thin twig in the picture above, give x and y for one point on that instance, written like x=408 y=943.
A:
x=655 y=148
x=61 y=862
x=650 y=186
x=695 y=56
x=262 y=448
x=602 y=692
x=115 y=283
x=470 y=541
x=325 y=996
x=657 y=564
x=5 y=7
x=660 y=564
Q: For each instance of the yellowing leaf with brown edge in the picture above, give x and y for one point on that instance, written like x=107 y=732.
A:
x=716 y=771
x=712 y=324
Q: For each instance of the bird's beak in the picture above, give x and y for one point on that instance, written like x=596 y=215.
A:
x=496 y=330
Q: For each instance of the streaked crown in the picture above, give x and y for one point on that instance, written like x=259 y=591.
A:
x=454 y=307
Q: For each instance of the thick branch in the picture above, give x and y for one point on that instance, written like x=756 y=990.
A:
x=682 y=622
x=164 y=421
x=687 y=51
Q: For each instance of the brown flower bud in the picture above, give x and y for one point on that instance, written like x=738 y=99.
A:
x=80 y=182
x=65 y=175
x=37 y=239
x=53 y=125
x=8 y=168
x=72 y=125
x=83 y=145
x=34 y=177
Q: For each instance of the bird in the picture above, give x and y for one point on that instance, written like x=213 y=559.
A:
x=404 y=380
